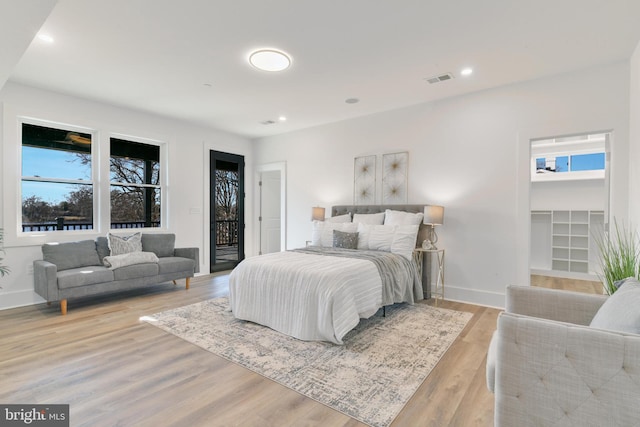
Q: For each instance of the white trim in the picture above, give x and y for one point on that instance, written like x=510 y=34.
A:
x=14 y=299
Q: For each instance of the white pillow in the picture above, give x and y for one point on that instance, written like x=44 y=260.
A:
x=364 y=231
x=381 y=237
x=404 y=240
x=322 y=233
x=375 y=219
x=340 y=218
x=398 y=239
x=402 y=218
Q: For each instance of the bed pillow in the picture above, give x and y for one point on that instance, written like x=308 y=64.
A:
x=322 y=233
x=402 y=218
x=119 y=245
x=340 y=218
x=398 y=239
x=381 y=237
x=342 y=239
x=404 y=240
x=620 y=311
x=373 y=219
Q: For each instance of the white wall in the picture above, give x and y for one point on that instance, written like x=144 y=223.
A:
x=468 y=153
x=188 y=172
x=634 y=138
x=568 y=195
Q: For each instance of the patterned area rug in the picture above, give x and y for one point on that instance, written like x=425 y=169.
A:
x=370 y=378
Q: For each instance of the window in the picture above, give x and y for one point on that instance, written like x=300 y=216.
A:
x=56 y=184
x=575 y=157
x=135 y=184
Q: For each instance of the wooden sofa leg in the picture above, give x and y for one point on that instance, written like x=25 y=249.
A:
x=63 y=306
x=188 y=279
x=48 y=302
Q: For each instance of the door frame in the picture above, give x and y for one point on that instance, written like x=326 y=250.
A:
x=239 y=159
x=268 y=167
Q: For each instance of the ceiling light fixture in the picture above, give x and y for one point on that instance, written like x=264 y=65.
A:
x=352 y=100
x=466 y=71
x=282 y=118
x=270 y=60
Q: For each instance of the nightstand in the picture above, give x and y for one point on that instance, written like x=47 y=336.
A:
x=432 y=262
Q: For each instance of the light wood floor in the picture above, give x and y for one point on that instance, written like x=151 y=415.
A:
x=115 y=370
x=586 y=286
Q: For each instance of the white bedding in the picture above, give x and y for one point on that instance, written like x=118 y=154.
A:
x=308 y=296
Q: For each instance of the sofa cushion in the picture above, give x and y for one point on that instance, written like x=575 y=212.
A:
x=71 y=255
x=102 y=246
x=91 y=275
x=135 y=271
x=160 y=244
x=621 y=311
x=119 y=245
x=175 y=264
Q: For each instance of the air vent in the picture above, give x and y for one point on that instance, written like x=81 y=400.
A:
x=440 y=78
x=268 y=122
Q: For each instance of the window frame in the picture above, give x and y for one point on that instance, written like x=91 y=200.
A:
x=94 y=182
x=590 y=144
x=162 y=179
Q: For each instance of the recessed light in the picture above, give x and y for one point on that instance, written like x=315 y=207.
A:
x=270 y=60
x=282 y=118
x=466 y=71
x=45 y=38
x=352 y=100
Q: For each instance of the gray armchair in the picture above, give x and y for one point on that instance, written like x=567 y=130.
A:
x=548 y=367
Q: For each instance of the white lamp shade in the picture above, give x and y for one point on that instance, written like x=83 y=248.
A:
x=433 y=215
x=317 y=214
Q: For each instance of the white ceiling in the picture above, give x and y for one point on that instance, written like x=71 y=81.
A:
x=188 y=59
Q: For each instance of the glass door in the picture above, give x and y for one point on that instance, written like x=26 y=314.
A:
x=226 y=210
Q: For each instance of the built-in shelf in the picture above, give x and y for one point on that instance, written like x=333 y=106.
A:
x=573 y=248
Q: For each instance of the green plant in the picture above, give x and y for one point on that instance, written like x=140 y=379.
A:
x=3 y=268
x=619 y=255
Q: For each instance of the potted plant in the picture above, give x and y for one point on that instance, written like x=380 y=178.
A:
x=3 y=268
x=619 y=256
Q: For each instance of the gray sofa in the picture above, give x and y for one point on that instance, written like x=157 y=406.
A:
x=559 y=358
x=76 y=269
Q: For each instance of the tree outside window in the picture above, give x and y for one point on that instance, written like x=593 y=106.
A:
x=56 y=184
x=135 y=184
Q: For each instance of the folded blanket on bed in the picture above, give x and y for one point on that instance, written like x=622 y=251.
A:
x=393 y=269
x=131 y=258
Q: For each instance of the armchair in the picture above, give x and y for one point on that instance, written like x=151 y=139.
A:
x=548 y=367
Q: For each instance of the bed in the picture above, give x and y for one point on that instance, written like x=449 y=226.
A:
x=320 y=292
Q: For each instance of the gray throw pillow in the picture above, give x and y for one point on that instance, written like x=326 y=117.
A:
x=342 y=239
x=621 y=312
x=71 y=255
x=125 y=244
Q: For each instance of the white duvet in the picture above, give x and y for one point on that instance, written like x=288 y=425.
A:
x=310 y=297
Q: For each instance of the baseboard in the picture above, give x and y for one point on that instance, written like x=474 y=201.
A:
x=475 y=296
x=19 y=299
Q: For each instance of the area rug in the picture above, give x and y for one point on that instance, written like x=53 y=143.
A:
x=370 y=378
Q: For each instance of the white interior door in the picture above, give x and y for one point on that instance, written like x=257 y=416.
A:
x=270 y=212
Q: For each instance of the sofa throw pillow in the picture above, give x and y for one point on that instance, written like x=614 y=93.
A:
x=161 y=244
x=344 y=240
x=119 y=245
x=620 y=311
x=71 y=255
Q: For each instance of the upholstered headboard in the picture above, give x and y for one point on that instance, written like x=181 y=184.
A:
x=369 y=209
